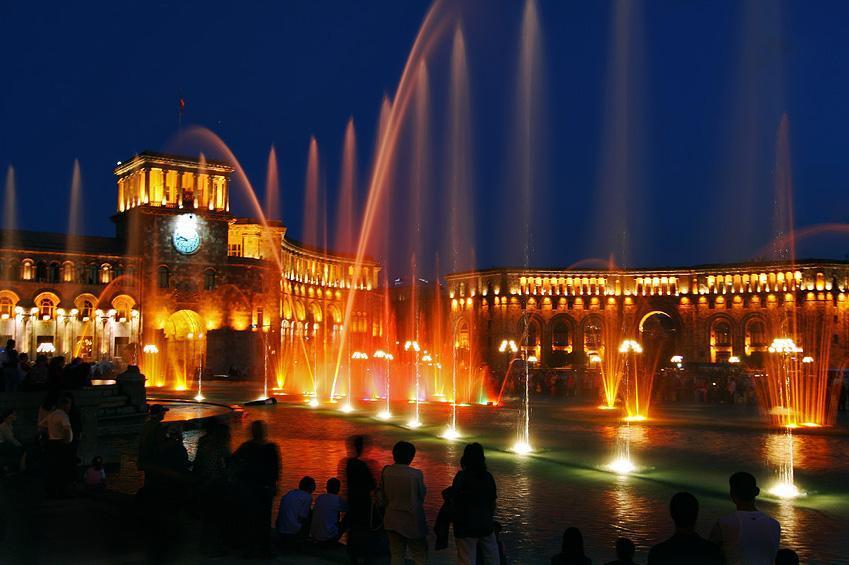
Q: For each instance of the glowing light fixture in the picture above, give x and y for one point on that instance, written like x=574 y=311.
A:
x=785 y=490
x=734 y=360
x=521 y=448
x=784 y=345
x=630 y=346
x=621 y=466
x=508 y=345
x=450 y=433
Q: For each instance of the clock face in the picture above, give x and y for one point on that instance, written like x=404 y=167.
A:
x=186 y=236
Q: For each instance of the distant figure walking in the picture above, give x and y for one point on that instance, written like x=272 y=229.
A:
x=685 y=545
x=472 y=499
x=747 y=535
x=257 y=470
x=572 y=549
x=402 y=491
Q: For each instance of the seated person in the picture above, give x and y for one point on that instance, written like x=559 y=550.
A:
x=95 y=476
x=326 y=523
x=293 y=519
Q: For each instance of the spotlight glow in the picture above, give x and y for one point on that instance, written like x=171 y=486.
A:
x=346 y=408
x=199 y=397
x=413 y=423
x=521 y=448
x=636 y=418
x=384 y=414
x=313 y=403
x=606 y=407
x=450 y=433
x=621 y=466
x=785 y=490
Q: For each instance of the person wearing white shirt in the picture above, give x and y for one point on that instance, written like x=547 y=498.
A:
x=402 y=491
x=746 y=536
x=326 y=524
x=293 y=518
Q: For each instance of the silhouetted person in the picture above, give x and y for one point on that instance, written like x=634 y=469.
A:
x=403 y=491
x=60 y=435
x=786 y=557
x=472 y=500
x=624 y=552
x=210 y=474
x=257 y=470
x=9 y=366
x=153 y=436
x=360 y=484
x=746 y=536
x=293 y=517
x=11 y=449
x=56 y=373
x=95 y=476
x=326 y=524
x=685 y=545
x=572 y=549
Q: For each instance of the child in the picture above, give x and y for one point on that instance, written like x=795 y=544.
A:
x=326 y=525
x=95 y=476
x=293 y=519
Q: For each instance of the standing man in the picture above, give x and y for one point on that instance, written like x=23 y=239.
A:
x=257 y=469
x=403 y=491
x=747 y=536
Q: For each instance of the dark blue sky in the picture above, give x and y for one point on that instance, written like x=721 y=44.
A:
x=709 y=82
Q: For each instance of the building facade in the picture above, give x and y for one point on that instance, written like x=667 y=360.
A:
x=183 y=286
x=704 y=315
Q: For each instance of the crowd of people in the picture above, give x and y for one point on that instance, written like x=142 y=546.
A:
x=380 y=512
x=20 y=373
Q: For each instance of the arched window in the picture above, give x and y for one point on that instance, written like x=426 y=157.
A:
x=592 y=335
x=123 y=306
x=91 y=274
x=6 y=307
x=722 y=334
x=27 y=270
x=68 y=271
x=164 y=277
x=87 y=310
x=54 y=273
x=41 y=271
x=209 y=279
x=46 y=307
x=105 y=273
x=561 y=338
x=756 y=333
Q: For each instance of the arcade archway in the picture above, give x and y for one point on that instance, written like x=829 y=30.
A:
x=186 y=347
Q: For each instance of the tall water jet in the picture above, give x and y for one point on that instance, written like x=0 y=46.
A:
x=75 y=211
x=312 y=214
x=9 y=216
x=459 y=184
x=345 y=211
x=617 y=200
x=529 y=114
x=432 y=30
x=272 y=186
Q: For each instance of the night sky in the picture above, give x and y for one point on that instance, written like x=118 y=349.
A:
x=708 y=84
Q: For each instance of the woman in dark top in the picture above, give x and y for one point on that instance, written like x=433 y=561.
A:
x=572 y=550
x=472 y=498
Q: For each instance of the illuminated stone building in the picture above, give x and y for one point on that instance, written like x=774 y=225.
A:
x=184 y=284
x=709 y=314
